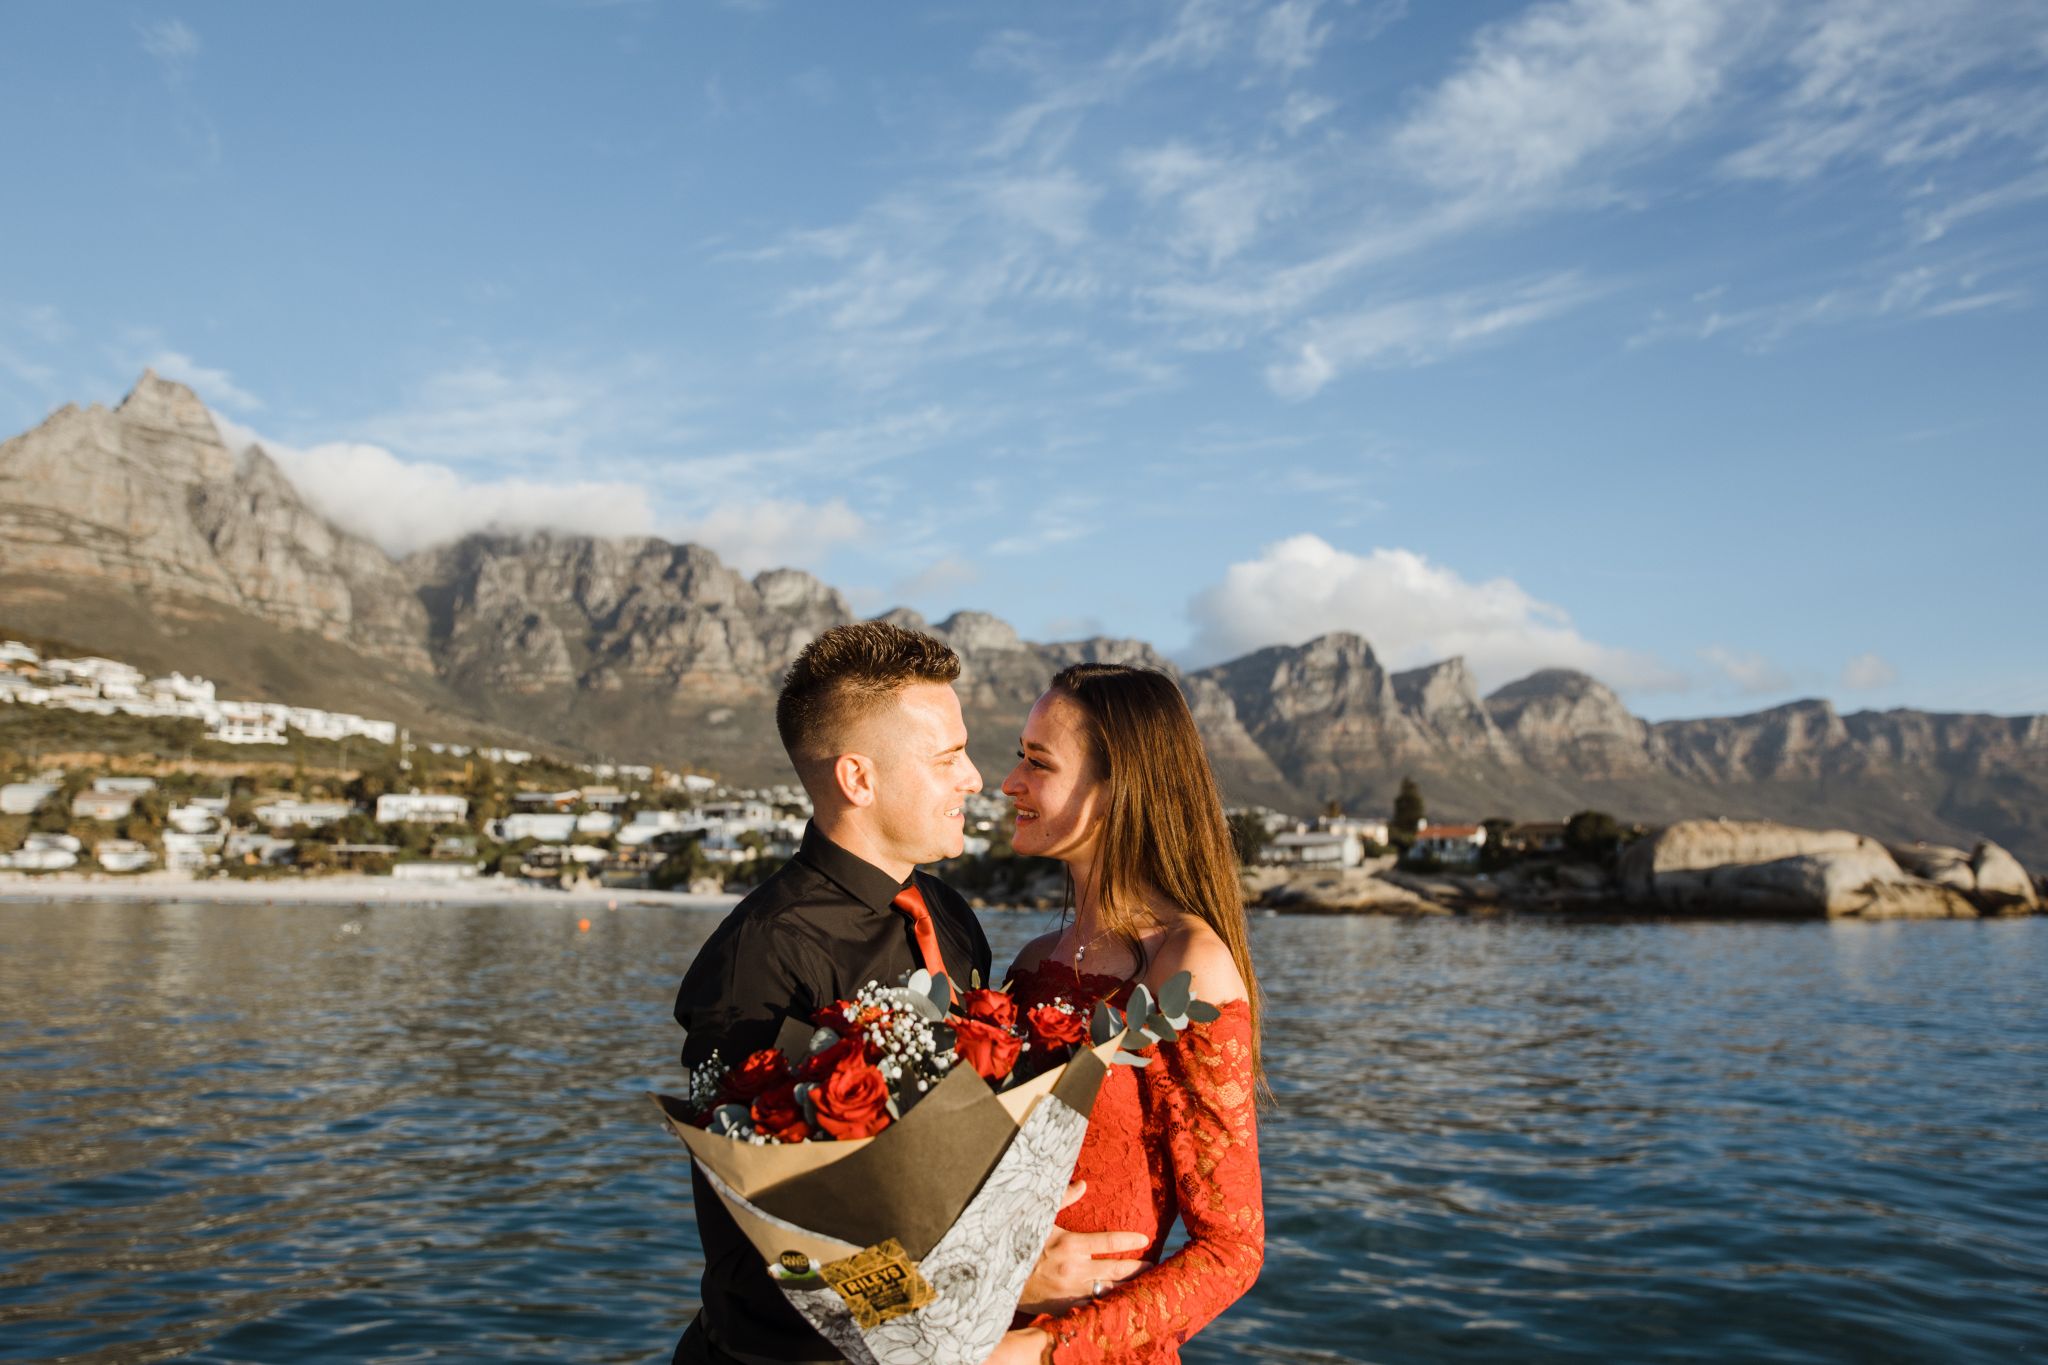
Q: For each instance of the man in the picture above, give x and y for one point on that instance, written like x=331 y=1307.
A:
x=872 y=724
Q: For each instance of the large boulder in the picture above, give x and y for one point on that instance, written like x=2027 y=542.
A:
x=2002 y=884
x=1760 y=868
x=1992 y=878
x=1936 y=863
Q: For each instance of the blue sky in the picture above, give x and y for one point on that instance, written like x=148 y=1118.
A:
x=1696 y=343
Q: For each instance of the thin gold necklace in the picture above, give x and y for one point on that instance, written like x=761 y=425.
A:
x=1081 y=949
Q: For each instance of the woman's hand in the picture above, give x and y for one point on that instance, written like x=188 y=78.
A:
x=1075 y=1266
x=1026 y=1346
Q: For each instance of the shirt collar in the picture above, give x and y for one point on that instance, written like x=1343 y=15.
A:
x=855 y=875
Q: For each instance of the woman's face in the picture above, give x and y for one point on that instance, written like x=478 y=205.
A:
x=1058 y=792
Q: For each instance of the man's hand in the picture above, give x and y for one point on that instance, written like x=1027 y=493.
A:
x=1068 y=1270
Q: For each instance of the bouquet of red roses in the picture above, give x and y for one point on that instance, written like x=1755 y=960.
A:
x=898 y=1160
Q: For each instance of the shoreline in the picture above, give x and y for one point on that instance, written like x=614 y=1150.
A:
x=340 y=891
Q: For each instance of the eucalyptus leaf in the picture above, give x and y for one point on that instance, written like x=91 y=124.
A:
x=1175 y=994
x=1162 y=1028
x=1122 y=1058
x=1141 y=1002
x=941 y=993
x=803 y=1098
x=821 y=1040
x=926 y=1007
x=1202 y=1012
x=1178 y=1022
x=1104 y=1026
x=919 y=982
x=727 y=1117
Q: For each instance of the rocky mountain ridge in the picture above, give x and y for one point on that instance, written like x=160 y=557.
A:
x=138 y=529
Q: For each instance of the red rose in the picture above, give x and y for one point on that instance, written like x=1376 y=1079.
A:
x=778 y=1115
x=837 y=1016
x=990 y=1050
x=761 y=1072
x=819 y=1065
x=853 y=1102
x=990 y=1007
x=1052 y=1027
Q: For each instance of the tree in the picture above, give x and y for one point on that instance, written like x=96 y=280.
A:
x=1494 y=852
x=1592 y=834
x=1408 y=813
x=1248 y=834
x=486 y=795
x=1333 y=808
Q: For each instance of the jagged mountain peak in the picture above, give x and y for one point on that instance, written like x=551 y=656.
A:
x=795 y=590
x=903 y=618
x=977 y=632
x=1566 y=683
x=1448 y=682
x=170 y=406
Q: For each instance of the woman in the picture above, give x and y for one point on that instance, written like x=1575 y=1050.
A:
x=1111 y=780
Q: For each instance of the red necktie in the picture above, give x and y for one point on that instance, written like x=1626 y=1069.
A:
x=911 y=902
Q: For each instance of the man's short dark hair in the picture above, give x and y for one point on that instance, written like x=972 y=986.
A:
x=843 y=675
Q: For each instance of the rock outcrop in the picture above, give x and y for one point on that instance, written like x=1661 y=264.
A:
x=146 y=498
x=1759 y=868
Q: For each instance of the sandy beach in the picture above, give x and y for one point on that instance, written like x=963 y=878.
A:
x=18 y=889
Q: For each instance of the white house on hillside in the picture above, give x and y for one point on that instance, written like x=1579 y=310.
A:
x=421 y=808
x=1449 y=843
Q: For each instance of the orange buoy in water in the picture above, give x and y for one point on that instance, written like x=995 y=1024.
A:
x=582 y=926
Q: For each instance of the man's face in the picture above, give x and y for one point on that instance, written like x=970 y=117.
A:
x=922 y=773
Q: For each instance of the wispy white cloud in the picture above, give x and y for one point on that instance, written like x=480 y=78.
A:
x=1868 y=672
x=1289 y=36
x=1565 y=83
x=941 y=578
x=1418 y=331
x=1219 y=203
x=492 y=410
x=1750 y=672
x=1899 y=83
x=171 y=43
x=215 y=385
x=1050 y=522
x=1413 y=612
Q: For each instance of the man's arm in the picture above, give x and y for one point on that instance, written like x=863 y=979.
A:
x=744 y=982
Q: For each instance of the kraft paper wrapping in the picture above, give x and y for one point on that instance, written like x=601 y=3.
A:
x=911 y=1182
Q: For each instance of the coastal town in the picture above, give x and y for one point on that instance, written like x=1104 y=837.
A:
x=218 y=790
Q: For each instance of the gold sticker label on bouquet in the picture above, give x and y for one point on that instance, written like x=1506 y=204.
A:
x=879 y=1284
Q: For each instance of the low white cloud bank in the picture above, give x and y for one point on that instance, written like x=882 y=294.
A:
x=1412 y=611
x=775 y=533
x=405 y=507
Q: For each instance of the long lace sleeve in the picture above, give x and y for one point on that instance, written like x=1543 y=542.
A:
x=1200 y=1102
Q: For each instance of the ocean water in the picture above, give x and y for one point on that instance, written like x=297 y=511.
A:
x=261 y=1133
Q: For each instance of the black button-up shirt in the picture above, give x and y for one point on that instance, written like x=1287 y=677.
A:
x=815 y=932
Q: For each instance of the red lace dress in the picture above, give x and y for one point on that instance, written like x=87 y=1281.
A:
x=1178 y=1138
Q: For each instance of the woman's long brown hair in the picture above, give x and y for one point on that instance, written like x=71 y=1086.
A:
x=1164 y=830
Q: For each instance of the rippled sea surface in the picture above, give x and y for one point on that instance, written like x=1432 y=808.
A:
x=253 y=1133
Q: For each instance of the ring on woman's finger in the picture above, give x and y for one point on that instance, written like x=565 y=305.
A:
x=1095 y=1291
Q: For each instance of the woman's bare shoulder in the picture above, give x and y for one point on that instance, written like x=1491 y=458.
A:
x=1035 y=952
x=1191 y=945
